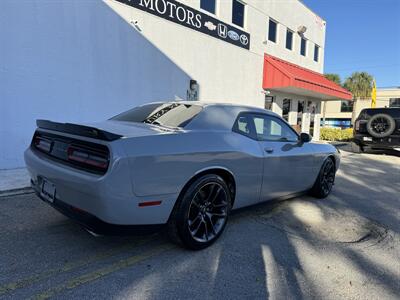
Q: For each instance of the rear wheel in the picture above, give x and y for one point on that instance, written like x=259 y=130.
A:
x=325 y=180
x=355 y=148
x=200 y=215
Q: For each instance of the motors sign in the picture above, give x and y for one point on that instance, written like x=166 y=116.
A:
x=186 y=16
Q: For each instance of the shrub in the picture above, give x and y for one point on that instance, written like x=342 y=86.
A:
x=336 y=134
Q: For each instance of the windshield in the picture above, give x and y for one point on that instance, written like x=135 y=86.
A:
x=164 y=114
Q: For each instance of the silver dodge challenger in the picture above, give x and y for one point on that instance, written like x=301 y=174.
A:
x=179 y=165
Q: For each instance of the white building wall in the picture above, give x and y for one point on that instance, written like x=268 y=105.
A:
x=74 y=61
x=232 y=74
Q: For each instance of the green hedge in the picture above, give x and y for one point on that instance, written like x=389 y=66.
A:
x=336 y=134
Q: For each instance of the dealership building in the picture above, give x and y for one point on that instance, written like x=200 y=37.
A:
x=77 y=61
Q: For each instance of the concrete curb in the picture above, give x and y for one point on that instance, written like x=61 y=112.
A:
x=15 y=192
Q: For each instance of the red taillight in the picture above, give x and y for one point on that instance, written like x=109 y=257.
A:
x=42 y=144
x=88 y=157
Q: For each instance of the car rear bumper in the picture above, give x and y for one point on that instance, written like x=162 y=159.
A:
x=108 y=198
x=94 y=224
x=377 y=143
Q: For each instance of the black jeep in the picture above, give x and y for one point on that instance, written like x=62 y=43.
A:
x=377 y=129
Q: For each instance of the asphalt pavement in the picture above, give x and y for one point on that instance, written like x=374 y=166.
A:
x=344 y=246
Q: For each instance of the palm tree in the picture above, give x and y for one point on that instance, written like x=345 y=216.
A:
x=334 y=77
x=360 y=85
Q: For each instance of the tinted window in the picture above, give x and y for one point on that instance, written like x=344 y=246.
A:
x=303 y=47
x=243 y=125
x=208 y=5
x=316 y=53
x=264 y=128
x=238 y=13
x=166 y=114
x=272 y=29
x=289 y=39
x=394 y=102
x=273 y=129
x=346 y=106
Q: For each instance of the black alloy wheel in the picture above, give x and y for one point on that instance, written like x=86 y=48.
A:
x=328 y=176
x=208 y=212
x=381 y=125
x=326 y=179
x=200 y=215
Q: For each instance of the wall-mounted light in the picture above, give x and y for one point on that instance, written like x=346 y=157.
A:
x=302 y=29
x=136 y=25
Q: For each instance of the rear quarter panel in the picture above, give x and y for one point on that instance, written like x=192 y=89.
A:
x=163 y=164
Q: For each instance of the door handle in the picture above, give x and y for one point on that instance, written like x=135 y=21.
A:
x=269 y=150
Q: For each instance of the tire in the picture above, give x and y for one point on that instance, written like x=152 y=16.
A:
x=201 y=213
x=381 y=125
x=325 y=180
x=355 y=148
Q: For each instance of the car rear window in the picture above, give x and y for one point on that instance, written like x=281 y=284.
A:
x=164 y=114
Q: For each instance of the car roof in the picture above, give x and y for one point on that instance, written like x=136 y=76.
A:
x=216 y=115
x=220 y=115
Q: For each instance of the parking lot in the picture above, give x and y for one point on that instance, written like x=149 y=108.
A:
x=345 y=246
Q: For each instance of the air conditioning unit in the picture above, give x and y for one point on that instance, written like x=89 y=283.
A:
x=302 y=29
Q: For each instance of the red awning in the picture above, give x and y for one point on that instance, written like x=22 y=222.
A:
x=283 y=76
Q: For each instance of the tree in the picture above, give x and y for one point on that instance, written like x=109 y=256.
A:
x=334 y=77
x=360 y=85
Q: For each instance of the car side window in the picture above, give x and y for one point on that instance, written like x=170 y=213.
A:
x=273 y=129
x=244 y=125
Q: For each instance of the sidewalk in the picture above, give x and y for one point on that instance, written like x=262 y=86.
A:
x=14 y=181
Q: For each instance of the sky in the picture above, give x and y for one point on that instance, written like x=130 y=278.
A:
x=362 y=35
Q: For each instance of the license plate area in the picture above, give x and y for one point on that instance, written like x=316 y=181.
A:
x=48 y=190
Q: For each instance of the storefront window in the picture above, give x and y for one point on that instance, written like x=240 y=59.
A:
x=238 y=13
x=394 y=102
x=208 y=5
x=286 y=108
x=346 y=106
x=268 y=102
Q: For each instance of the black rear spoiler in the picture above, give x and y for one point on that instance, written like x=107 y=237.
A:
x=80 y=130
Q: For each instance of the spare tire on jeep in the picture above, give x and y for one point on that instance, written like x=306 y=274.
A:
x=381 y=125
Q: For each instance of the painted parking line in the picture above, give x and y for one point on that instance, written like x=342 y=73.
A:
x=71 y=266
x=99 y=273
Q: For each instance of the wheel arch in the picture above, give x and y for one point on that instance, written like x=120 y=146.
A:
x=226 y=175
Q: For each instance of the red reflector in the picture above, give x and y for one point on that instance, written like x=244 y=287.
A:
x=149 y=203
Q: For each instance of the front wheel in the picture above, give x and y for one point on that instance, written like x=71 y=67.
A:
x=325 y=180
x=200 y=215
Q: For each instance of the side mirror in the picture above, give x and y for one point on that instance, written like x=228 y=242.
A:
x=305 y=137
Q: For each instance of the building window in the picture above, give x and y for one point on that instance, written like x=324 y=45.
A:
x=272 y=30
x=303 y=46
x=208 y=5
x=289 y=39
x=394 y=102
x=238 y=13
x=346 y=106
x=286 y=108
x=316 y=53
x=268 y=102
